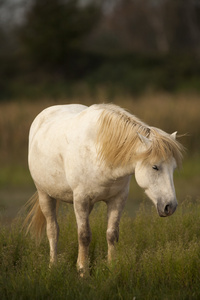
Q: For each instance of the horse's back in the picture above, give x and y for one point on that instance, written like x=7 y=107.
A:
x=67 y=109
x=53 y=115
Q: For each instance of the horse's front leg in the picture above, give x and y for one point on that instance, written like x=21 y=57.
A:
x=82 y=210
x=115 y=208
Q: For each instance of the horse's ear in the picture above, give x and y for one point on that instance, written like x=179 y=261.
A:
x=144 y=139
x=173 y=135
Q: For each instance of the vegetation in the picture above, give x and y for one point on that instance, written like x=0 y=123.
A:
x=157 y=258
x=131 y=45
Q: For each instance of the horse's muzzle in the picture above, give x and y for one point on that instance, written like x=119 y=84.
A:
x=166 y=210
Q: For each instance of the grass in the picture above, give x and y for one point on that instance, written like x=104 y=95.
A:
x=157 y=258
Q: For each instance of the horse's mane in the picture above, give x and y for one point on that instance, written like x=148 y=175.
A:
x=118 y=140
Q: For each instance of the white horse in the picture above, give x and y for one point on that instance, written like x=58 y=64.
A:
x=81 y=155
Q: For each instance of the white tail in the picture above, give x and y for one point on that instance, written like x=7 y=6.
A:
x=35 y=221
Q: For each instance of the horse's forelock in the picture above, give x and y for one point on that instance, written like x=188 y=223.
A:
x=162 y=149
x=165 y=147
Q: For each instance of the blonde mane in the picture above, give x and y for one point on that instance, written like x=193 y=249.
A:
x=118 y=140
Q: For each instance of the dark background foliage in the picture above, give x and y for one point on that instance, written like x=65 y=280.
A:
x=134 y=45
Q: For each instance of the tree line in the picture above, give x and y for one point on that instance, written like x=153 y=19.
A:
x=76 y=40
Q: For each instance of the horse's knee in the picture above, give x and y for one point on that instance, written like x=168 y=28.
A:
x=112 y=235
x=84 y=237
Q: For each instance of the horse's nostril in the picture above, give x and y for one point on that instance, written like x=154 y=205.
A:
x=167 y=209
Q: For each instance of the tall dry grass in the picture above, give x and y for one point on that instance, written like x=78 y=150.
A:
x=170 y=112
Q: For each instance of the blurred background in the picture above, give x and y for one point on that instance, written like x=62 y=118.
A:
x=141 y=54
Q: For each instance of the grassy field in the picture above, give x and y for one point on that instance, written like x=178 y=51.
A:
x=157 y=258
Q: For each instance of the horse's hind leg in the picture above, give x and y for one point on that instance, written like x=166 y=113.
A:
x=48 y=208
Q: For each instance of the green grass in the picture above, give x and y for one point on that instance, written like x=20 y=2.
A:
x=13 y=175
x=157 y=258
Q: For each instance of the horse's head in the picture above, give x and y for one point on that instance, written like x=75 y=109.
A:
x=156 y=178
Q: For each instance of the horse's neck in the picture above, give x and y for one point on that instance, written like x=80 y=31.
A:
x=123 y=171
x=129 y=168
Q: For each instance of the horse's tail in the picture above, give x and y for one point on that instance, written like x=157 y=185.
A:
x=35 y=221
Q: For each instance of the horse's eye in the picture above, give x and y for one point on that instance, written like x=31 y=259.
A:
x=155 y=168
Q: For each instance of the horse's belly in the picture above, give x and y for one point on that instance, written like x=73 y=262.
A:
x=55 y=186
x=48 y=174
x=65 y=195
